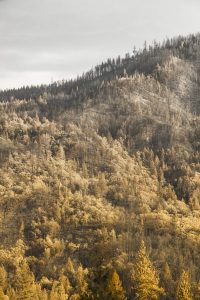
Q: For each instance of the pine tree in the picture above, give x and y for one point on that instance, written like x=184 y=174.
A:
x=114 y=289
x=58 y=292
x=66 y=283
x=82 y=291
x=3 y=283
x=107 y=285
x=168 y=281
x=25 y=283
x=3 y=277
x=145 y=278
x=11 y=293
x=2 y=295
x=183 y=288
x=41 y=293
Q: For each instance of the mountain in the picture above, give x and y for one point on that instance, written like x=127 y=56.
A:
x=92 y=167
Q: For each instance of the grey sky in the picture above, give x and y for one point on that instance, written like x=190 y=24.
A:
x=42 y=40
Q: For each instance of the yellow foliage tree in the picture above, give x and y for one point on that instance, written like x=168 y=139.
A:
x=2 y=295
x=11 y=294
x=183 y=288
x=58 y=292
x=25 y=283
x=145 y=278
x=114 y=289
x=3 y=277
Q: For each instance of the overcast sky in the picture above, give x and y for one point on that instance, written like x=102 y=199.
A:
x=44 y=40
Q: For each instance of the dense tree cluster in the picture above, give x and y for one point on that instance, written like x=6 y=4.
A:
x=100 y=181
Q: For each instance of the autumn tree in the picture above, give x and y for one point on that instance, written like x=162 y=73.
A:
x=145 y=278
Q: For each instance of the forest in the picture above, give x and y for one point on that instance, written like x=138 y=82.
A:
x=100 y=181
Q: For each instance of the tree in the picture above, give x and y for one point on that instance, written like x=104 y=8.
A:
x=2 y=295
x=41 y=293
x=168 y=281
x=82 y=291
x=145 y=278
x=11 y=293
x=107 y=285
x=3 y=283
x=183 y=291
x=3 y=278
x=66 y=283
x=114 y=289
x=25 y=283
x=58 y=292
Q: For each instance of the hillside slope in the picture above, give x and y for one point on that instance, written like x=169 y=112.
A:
x=96 y=165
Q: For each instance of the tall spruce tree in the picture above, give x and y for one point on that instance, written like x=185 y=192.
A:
x=145 y=278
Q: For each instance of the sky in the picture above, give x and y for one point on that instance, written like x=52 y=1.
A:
x=48 y=40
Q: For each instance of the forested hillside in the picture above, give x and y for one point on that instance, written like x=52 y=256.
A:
x=100 y=181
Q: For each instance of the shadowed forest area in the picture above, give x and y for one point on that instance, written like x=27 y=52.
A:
x=100 y=181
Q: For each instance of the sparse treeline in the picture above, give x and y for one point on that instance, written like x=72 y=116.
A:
x=100 y=181
x=142 y=61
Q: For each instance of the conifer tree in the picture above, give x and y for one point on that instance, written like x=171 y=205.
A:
x=168 y=281
x=2 y=295
x=3 y=283
x=58 y=292
x=145 y=278
x=183 y=288
x=66 y=283
x=82 y=291
x=114 y=289
x=25 y=283
x=3 y=277
x=11 y=293
x=41 y=293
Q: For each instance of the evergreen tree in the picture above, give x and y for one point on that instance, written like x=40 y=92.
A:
x=3 y=277
x=3 y=283
x=183 y=288
x=82 y=291
x=168 y=281
x=2 y=295
x=66 y=283
x=58 y=292
x=114 y=289
x=146 y=280
x=25 y=283
x=11 y=293
x=41 y=293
